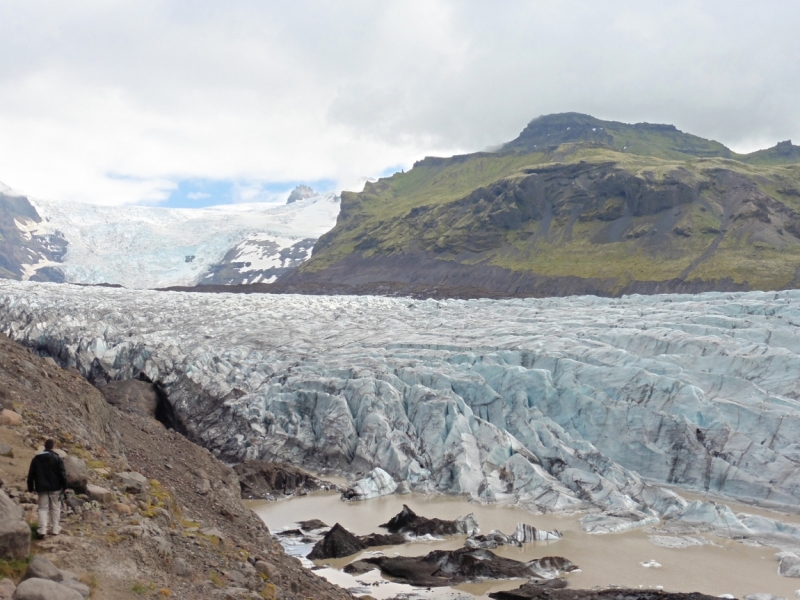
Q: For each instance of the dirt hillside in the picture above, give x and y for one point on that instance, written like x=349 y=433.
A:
x=161 y=517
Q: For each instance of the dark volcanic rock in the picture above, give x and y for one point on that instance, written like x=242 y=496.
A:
x=407 y=521
x=19 y=250
x=261 y=479
x=450 y=567
x=339 y=542
x=312 y=524
x=534 y=591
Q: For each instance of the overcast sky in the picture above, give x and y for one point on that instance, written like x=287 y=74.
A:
x=198 y=102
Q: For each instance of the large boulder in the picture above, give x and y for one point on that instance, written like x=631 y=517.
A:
x=377 y=483
x=41 y=568
x=10 y=417
x=83 y=589
x=131 y=482
x=15 y=534
x=44 y=589
x=77 y=474
x=100 y=494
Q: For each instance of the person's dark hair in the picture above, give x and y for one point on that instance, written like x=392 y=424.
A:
x=49 y=445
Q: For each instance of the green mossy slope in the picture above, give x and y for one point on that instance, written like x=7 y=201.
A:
x=606 y=202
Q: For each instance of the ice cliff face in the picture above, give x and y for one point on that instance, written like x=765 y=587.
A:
x=554 y=404
x=150 y=247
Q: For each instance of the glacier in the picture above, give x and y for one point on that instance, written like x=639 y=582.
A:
x=153 y=247
x=562 y=404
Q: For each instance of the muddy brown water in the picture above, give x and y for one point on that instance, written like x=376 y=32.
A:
x=720 y=567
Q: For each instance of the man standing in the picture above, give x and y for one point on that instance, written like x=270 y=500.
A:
x=48 y=477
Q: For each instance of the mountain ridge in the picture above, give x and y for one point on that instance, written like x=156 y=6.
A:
x=628 y=211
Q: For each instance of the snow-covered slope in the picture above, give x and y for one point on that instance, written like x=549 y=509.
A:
x=564 y=403
x=149 y=247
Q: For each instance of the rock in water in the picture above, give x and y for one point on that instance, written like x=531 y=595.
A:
x=451 y=567
x=789 y=565
x=408 y=522
x=15 y=535
x=523 y=534
x=531 y=589
x=377 y=483
x=339 y=542
x=555 y=590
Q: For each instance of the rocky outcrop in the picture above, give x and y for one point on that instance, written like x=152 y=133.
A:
x=338 y=543
x=25 y=253
x=451 y=567
x=407 y=522
x=267 y=480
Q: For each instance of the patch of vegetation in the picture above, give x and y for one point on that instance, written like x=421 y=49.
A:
x=89 y=579
x=443 y=208
x=14 y=569
x=140 y=589
x=270 y=592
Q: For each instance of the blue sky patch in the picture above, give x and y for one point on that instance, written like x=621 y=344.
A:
x=199 y=193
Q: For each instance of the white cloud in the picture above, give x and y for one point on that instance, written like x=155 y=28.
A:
x=197 y=195
x=114 y=102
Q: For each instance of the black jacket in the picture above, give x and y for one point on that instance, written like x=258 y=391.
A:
x=47 y=473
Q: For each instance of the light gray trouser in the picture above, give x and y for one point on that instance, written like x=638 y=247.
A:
x=49 y=512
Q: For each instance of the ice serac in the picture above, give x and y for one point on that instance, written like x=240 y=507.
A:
x=377 y=483
x=557 y=404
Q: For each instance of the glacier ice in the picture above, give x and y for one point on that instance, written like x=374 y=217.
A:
x=377 y=483
x=568 y=404
x=151 y=247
